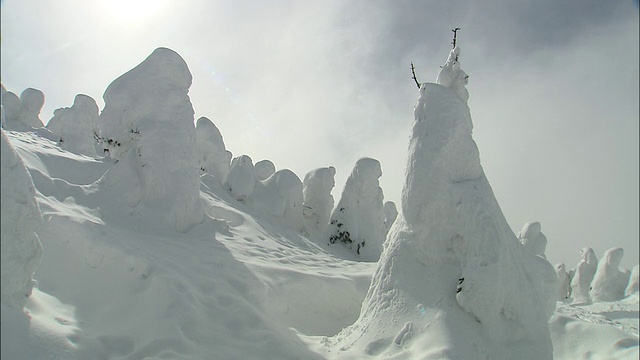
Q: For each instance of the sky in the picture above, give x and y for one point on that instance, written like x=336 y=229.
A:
x=554 y=88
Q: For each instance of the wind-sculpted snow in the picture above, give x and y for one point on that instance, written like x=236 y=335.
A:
x=452 y=267
x=609 y=282
x=358 y=220
x=585 y=271
x=147 y=124
x=213 y=156
x=533 y=239
x=21 y=249
x=75 y=126
x=281 y=196
x=318 y=201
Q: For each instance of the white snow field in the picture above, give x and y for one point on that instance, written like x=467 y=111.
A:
x=168 y=249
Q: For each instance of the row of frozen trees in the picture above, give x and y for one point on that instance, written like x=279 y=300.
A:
x=147 y=128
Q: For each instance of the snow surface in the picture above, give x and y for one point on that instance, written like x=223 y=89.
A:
x=118 y=280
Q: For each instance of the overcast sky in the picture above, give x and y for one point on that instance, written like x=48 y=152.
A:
x=553 y=89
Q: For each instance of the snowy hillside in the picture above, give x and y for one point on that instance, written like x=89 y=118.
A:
x=148 y=239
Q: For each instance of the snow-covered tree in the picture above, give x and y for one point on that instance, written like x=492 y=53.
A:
x=241 y=179
x=632 y=287
x=21 y=248
x=11 y=106
x=75 y=126
x=533 y=239
x=609 y=282
x=147 y=124
x=564 y=285
x=213 y=157
x=263 y=169
x=31 y=102
x=318 y=201
x=390 y=215
x=585 y=271
x=358 y=219
x=281 y=197
x=451 y=76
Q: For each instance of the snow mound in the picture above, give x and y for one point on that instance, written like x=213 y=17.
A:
x=75 y=126
x=451 y=268
x=21 y=219
x=147 y=125
x=358 y=220
x=281 y=196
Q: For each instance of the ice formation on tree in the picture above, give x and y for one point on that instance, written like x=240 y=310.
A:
x=75 y=125
x=263 y=169
x=452 y=244
x=609 y=282
x=532 y=238
x=564 y=285
x=241 y=178
x=21 y=249
x=281 y=196
x=358 y=219
x=453 y=77
x=632 y=287
x=317 y=199
x=585 y=271
x=390 y=215
x=213 y=157
x=147 y=124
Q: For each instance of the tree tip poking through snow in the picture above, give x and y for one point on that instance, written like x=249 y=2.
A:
x=609 y=283
x=147 y=124
x=21 y=249
x=452 y=246
x=357 y=222
x=318 y=201
x=533 y=239
x=451 y=76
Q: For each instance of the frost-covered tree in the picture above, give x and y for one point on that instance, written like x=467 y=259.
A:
x=564 y=285
x=11 y=106
x=281 y=197
x=213 y=157
x=21 y=249
x=585 y=271
x=451 y=260
x=241 y=179
x=358 y=220
x=609 y=282
x=533 y=239
x=147 y=124
x=453 y=77
x=75 y=126
x=632 y=287
x=390 y=215
x=263 y=169
x=31 y=102
x=318 y=201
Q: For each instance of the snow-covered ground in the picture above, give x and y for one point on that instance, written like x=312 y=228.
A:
x=121 y=278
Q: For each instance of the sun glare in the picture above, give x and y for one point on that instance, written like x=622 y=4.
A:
x=129 y=11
